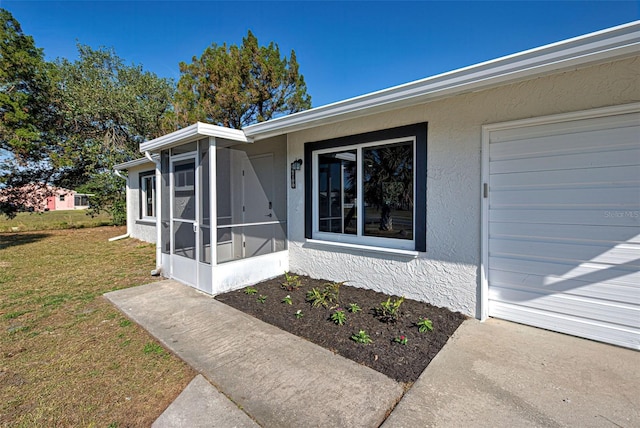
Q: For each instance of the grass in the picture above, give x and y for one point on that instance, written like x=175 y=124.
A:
x=52 y=220
x=67 y=356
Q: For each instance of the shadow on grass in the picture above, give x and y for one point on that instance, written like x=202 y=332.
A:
x=13 y=240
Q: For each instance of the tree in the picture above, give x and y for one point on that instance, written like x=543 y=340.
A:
x=25 y=118
x=236 y=86
x=106 y=109
x=68 y=123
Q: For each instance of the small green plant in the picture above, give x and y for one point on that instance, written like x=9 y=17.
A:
x=354 y=308
x=401 y=340
x=250 y=291
x=329 y=294
x=153 y=348
x=287 y=300
x=389 y=311
x=299 y=314
x=291 y=282
x=316 y=298
x=262 y=298
x=339 y=317
x=362 y=337
x=125 y=323
x=424 y=325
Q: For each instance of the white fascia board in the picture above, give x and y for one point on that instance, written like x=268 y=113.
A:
x=606 y=45
x=191 y=133
x=136 y=162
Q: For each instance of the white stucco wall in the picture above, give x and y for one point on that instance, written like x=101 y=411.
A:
x=448 y=273
x=145 y=230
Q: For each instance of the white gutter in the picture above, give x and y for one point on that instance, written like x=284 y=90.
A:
x=606 y=45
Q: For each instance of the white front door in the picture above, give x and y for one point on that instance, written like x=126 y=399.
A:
x=184 y=225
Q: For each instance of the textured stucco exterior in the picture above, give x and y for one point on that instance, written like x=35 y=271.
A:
x=448 y=273
x=142 y=229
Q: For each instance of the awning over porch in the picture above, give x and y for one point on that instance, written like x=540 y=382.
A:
x=227 y=136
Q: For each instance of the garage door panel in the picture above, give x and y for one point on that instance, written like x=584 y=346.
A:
x=578 y=143
x=608 y=289
x=573 y=306
x=595 y=177
x=600 y=159
x=620 y=254
x=593 y=197
x=558 y=232
x=590 y=329
x=613 y=215
x=563 y=225
x=559 y=129
x=607 y=279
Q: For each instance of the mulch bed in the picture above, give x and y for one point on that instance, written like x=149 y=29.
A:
x=404 y=363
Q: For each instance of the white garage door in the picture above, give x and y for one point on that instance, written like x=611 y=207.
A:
x=562 y=223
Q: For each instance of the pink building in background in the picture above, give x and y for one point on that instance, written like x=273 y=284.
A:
x=65 y=199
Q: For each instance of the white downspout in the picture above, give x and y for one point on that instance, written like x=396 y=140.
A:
x=158 y=201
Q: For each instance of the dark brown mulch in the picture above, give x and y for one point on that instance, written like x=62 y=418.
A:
x=404 y=363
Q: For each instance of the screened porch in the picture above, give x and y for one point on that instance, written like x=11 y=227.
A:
x=222 y=218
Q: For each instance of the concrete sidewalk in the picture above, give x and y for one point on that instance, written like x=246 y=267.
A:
x=493 y=374
x=278 y=379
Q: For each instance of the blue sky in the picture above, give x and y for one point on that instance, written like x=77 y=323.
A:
x=344 y=49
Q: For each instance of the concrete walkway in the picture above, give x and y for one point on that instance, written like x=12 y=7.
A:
x=493 y=374
x=502 y=374
x=278 y=379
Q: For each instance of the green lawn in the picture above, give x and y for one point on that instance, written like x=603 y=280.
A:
x=52 y=220
x=67 y=356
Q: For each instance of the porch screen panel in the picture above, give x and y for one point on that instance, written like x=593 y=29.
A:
x=224 y=244
x=165 y=208
x=205 y=205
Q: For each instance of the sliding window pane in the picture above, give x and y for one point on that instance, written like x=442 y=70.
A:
x=388 y=190
x=337 y=207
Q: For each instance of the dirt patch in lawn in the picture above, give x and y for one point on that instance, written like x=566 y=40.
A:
x=386 y=353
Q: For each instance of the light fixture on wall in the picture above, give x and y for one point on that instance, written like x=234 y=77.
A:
x=295 y=166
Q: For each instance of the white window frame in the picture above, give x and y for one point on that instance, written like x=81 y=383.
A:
x=144 y=189
x=359 y=238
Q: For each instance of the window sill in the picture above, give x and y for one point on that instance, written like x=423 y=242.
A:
x=365 y=248
x=149 y=221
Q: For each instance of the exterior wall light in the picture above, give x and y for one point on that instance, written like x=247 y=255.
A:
x=295 y=166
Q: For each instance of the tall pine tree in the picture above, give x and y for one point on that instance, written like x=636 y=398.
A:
x=235 y=86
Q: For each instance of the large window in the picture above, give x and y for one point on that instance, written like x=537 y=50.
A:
x=369 y=189
x=148 y=195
